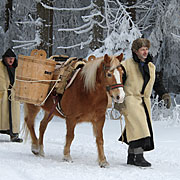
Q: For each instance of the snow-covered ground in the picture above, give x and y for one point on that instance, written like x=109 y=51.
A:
x=18 y=163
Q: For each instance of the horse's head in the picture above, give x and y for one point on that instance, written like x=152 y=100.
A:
x=105 y=72
x=113 y=75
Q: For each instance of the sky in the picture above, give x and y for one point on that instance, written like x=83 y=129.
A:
x=17 y=161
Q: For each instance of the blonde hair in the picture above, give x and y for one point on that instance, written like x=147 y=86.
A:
x=89 y=72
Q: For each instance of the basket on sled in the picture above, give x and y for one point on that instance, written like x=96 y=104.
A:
x=33 y=77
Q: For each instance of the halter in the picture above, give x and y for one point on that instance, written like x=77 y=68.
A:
x=113 y=86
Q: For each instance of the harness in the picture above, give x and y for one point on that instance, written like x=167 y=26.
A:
x=74 y=66
x=57 y=98
x=58 y=106
x=113 y=86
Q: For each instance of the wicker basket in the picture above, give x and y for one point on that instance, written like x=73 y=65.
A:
x=33 y=77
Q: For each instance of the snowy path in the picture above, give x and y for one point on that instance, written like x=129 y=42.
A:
x=17 y=161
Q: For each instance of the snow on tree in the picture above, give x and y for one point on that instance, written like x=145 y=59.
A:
x=76 y=28
x=119 y=28
x=117 y=24
x=165 y=44
x=24 y=35
x=71 y=27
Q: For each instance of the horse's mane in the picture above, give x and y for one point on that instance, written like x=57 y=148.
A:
x=89 y=71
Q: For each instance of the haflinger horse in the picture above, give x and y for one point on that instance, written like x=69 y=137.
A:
x=84 y=101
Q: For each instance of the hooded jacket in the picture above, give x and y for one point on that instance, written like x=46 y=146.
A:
x=7 y=79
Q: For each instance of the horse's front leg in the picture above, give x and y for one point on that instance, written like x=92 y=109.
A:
x=70 y=125
x=97 y=128
x=43 y=125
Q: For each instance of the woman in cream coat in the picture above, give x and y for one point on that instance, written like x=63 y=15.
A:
x=9 y=108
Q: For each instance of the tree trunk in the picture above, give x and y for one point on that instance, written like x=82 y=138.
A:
x=46 y=30
x=97 y=32
x=8 y=13
x=132 y=11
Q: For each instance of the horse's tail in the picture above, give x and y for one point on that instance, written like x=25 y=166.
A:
x=25 y=132
x=30 y=112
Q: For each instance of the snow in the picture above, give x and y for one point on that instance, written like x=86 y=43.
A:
x=17 y=161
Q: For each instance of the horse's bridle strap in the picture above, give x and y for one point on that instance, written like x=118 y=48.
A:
x=114 y=86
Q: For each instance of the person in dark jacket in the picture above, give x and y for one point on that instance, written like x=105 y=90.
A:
x=160 y=90
x=9 y=108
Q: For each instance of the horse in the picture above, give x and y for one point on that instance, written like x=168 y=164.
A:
x=84 y=101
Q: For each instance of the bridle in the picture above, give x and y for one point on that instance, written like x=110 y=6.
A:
x=113 y=86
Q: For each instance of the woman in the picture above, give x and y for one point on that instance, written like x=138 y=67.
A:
x=9 y=108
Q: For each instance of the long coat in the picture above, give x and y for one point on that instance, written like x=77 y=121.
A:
x=138 y=87
x=4 y=104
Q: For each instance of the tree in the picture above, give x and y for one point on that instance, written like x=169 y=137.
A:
x=8 y=14
x=132 y=11
x=97 y=30
x=120 y=30
x=165 y=43
x=46 y=28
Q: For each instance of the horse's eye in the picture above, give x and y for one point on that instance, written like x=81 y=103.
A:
x=109 y=74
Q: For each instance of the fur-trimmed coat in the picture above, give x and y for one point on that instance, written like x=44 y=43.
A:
x=4 y=105
x=138 y=87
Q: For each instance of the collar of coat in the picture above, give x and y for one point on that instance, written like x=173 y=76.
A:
x=144 y=70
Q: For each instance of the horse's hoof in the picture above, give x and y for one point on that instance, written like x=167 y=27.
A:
x=41 y=151
x=35 y=149
x=67 y=159
x=104 y=164
x=35 y=152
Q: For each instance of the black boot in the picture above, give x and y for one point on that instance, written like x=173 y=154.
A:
x=140 y=161
x=15 y=138
x=130 y=159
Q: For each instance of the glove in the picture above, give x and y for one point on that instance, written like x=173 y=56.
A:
x=120 y=107
x=167 y=100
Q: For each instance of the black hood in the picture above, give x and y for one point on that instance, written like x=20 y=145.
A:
x=10 y=69
x=9 y=53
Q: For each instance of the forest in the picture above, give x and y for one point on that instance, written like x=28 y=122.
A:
x=79 y=28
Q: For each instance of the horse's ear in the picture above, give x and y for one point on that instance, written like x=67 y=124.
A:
x=120 y=57
x=91 y=58
x=107 y=59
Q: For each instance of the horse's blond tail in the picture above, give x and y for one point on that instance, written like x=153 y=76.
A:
x=25 y=132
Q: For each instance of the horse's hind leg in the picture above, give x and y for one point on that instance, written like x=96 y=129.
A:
x=97 y=128
x=70 y=125
x=30 y=112
x=42 y=129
